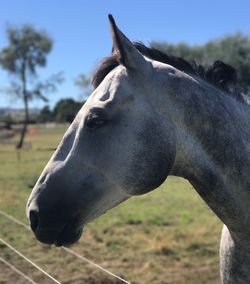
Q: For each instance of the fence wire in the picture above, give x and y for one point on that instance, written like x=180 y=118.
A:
x=29 y=261
x=11 y=266
x=68 y=250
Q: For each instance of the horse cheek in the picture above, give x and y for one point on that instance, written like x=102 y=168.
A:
x=153 y=161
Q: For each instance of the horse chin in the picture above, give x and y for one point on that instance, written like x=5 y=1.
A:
x=68 y=236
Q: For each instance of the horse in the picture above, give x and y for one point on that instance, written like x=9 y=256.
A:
x=152 y=115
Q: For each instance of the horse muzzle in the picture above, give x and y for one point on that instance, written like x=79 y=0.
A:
x=59 y=235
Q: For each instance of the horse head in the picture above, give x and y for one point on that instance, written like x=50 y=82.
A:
x=118 y=146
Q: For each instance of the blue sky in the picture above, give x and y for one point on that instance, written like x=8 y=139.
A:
x=81 y=32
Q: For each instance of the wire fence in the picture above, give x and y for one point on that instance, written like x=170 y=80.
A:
x=12 y=267
x=13 y=219
x=28 y=260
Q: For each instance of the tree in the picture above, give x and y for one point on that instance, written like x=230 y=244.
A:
x=84 y=84
x=7 y=120
x=45 y=115
x=66 y=110
x=26 y=51
x=232 y=49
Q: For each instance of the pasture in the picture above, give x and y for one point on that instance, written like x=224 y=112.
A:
x=166 y=236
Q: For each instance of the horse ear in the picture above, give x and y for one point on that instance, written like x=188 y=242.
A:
x=126 y=52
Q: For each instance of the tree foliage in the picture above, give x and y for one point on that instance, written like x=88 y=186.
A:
x=45 y=115
x=232 y=49
x=66 y=109
x=27 y=49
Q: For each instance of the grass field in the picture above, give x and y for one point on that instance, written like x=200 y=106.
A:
x=166 y=236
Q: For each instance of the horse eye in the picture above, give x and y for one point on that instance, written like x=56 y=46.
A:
x=95 y=122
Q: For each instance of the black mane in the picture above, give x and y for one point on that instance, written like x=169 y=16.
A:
x=220 y=75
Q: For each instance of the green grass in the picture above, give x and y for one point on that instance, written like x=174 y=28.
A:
x=166 y=236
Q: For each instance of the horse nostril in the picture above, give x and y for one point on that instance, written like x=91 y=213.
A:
x=34 y=220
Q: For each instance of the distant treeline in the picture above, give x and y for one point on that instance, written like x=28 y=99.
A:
x=64 y=111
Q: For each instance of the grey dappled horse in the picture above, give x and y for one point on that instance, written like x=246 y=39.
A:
x=152 y=115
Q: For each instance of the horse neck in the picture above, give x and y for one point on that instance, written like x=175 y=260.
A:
x=212 y=149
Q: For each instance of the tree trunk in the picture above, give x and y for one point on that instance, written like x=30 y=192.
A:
x=25 y=124
x=26 y=106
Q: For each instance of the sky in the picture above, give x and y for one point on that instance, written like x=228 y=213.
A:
x=81 y=34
